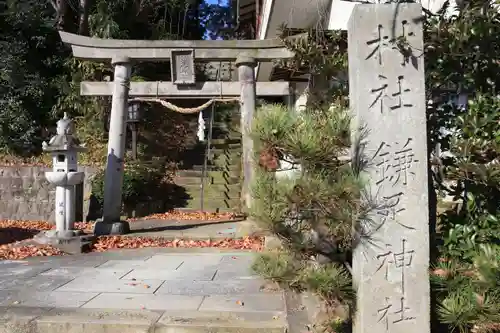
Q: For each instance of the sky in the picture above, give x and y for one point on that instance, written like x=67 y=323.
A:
x=223 y=2
x=215 y=1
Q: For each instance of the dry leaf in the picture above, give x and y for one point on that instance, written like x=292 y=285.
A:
x=12 y=231
x=105 y=243
x=190 y=216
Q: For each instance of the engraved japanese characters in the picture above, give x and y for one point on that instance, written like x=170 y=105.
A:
x=387 y=94
x=182 y=67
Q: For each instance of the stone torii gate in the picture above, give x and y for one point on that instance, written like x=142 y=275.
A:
x=182 y=55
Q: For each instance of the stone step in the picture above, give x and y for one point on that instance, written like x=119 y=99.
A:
x=221 y=167
x=214 y=197
x=82 y=320
x=225 y=160
x=183 y=181
x=226 y=141
x=209 y=208
x=213 y=188
x=214 y=205
x=155 y=290
x=199 y=173
x=226 y=151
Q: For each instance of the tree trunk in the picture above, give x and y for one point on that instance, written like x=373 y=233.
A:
x=61 y=8
x=83 y=17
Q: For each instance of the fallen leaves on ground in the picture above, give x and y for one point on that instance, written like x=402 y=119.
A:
x=189 y=216
x=12 y=252
x=122 y=242
x=28 y=225
x=85 y=226
x=14 y=230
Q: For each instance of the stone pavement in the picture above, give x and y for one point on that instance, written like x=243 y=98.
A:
x=147 y=290
x=194 y=229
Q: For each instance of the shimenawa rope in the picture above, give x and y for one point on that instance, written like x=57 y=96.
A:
x=178 y=109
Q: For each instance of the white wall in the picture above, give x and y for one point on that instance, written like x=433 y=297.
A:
x=340 y=11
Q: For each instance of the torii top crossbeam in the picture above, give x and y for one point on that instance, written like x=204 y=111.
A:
x=160 y=50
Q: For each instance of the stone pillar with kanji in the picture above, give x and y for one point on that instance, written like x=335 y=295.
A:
x=387 y=96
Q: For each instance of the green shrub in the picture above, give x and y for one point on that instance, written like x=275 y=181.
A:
x=143 y=183
x=314 y=210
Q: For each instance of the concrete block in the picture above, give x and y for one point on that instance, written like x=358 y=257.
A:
x=29 y=195
x=187 y=274
x=101 y=321
x=21 y=271
x=37 y=283
x=149 y=302
x=8 y=297
x=19 y=320
x=237 y=263
x=244 y=303
x=238 y=258
x=103 y=284
x=167 y=261
x=115 y=228
x=234 y=273
x=227 y=322
x=89 y=272
x=206 y=288
x=55 y=299
x=122 y=254
x=122 y=264
x=85 y=260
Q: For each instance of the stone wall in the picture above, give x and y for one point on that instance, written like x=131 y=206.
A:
x=25 y=194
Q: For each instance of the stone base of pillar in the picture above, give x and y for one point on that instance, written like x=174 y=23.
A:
x=70 y=241
x=115 y=228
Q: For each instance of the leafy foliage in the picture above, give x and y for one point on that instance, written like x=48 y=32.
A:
x=40 y=79
x=143 y=183
x=462 y=59
x=322 y=54
x=312 y=211
x=469 y=293
x=30 y=59
x=314 y=207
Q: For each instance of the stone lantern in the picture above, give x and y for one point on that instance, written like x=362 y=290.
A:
x=64 y=148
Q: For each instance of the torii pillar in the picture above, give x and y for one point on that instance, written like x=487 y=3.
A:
x=246 y=75
x=111 y=223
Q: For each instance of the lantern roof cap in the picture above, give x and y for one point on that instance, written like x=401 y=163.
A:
x=64 y=140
